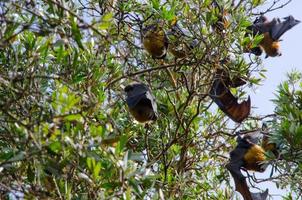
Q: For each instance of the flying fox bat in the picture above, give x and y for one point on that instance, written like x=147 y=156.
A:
x=179 y=45
x=221 y=95
x=272 y=31
x=155 y=41
x=141 y=102
x=249 y=156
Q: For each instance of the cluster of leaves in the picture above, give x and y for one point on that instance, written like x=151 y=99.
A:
x=64 y=128
x=287 y=131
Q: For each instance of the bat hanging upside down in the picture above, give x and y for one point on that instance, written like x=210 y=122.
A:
x=250 y=156
x=155 y=41
x=221 y=95
x=141 y=102
x=272 y=31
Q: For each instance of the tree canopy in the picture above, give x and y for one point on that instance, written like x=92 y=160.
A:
x=65 y=129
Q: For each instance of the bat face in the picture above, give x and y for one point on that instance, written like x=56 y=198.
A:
x=226 y=101
x=246 y=154
x=155 y=41
x=141 y=102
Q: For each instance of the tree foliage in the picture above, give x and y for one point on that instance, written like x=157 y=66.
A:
x=66 y=132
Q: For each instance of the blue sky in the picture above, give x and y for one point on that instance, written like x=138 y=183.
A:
x=276 y=73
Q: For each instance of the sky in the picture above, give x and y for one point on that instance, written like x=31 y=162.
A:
x=276 y=73
x=277 y=67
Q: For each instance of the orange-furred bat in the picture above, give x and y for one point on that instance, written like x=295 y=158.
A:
x=249 y=156
x=155 y=41
x=221 y=95
x=141 y=102
x=272 y=31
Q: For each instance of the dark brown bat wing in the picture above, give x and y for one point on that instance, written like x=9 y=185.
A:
x=278 y=28
x=143 y=111
x=238 y=112
x=237 y=82
x=234 y=166
x=226 y=101
x=260 y=25
x=135 y=92
x=239 y=179
x=138 y=94
x=256 y=51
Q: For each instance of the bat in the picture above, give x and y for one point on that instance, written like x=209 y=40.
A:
x=225 y=100
x=272 y=31
x=179 y=44
x=141 y=102
x=155 y=41
x=249 y=156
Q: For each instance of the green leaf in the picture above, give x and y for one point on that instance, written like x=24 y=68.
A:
x=245 y=23
x=55 y=147
x=257 y=2
x=76 y=32
x=155 y=4
x=96 y=170
x=121 y=144
x=74 y=117
x=106 y=21
x=7 y=154
x=257 y=40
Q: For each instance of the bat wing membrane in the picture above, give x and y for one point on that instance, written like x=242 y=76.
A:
x=279 y=28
